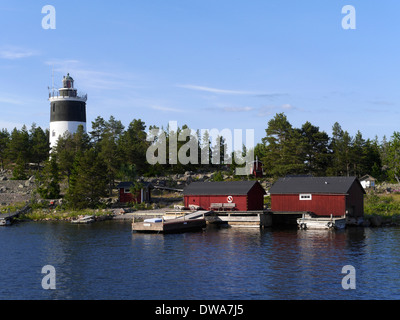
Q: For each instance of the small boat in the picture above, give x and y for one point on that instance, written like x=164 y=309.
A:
x=321 y=223
x=85 y=219
x=5 y=222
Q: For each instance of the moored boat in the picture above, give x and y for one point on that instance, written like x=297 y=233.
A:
x=83 y=220
x=5 y=222
x=321 y=223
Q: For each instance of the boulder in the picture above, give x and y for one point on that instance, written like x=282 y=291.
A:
x=376 y=221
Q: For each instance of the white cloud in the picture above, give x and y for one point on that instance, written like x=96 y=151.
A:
x=229 y=92
x=237 y=109
x=8 y=100
x=215 y=90
x=10 y=125
x=13 y=52
x=287 y=107
x=91 y=78
x=269 y=110
x=168 y=109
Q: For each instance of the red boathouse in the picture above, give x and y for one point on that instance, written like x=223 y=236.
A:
x=256 y=168
x=142 y=195
x=225 y=195
x=323 y=196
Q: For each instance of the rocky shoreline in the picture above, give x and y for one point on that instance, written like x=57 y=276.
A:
x=23 y=191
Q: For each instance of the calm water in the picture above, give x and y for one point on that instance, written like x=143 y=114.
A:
x=106 y=260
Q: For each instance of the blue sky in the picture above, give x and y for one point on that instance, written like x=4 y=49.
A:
x=208 y=64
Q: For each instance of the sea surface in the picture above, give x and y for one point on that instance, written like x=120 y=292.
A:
x=106 y=260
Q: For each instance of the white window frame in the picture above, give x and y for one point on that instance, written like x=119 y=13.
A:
x=305 y=196
x=127 y=190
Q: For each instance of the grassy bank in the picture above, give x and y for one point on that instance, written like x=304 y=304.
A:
x=63 y=215
x=384 y=206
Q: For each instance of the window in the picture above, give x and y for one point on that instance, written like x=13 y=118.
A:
x=127 y=190
x=305 y=197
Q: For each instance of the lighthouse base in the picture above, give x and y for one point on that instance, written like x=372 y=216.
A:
x=59 y=128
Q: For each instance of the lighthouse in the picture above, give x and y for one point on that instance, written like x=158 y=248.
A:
x=67 y=110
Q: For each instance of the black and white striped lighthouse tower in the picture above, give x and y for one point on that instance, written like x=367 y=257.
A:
x=67 y=110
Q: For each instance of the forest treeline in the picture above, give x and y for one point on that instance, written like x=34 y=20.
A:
x=90 y=163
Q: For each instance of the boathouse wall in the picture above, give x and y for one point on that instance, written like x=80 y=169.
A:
x=320 y=204
x=205 y=201
x=127 y=197
x=323 y=196
x=246 y=195
x=142 y=195
x=355 y=201
x=255 y=198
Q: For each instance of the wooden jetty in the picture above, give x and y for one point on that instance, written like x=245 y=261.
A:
x=242 y=219
x=7 y=219
x=187 y=222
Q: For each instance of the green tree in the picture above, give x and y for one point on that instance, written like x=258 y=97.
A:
x=393 y=157
x=39 y=144
x=316 y=149
x=4 y=141
x=133 y=145
x=98 y=129
x=19 y=146
x=284 y=148
x=49 y=179
x=68 y=148
x=19 y=169
x=88 y=181
x=341 y=146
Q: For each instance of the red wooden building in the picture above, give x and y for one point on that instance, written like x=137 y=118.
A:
x=142 y=195
x=256 y=168
x=323 y=196
x=225 y=195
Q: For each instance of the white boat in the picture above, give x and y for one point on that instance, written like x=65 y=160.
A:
x=321 y=223
x=85 y=219
x=5 y=222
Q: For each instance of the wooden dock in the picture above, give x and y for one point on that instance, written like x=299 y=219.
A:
x=242 y=219
x=7 y=219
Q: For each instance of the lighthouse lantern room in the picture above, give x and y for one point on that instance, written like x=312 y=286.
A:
x=67 y=110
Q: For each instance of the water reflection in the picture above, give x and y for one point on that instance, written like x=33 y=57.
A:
x=108 y=261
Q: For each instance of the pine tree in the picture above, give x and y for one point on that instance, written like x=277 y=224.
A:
x=49 y=180
x=88 y=181
x=284 y=148
x=39 y=145
x=316 y=150
x=133 y=145
x=393 y=157
x=4 y=141
x=341 y=145
x=19 y=169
